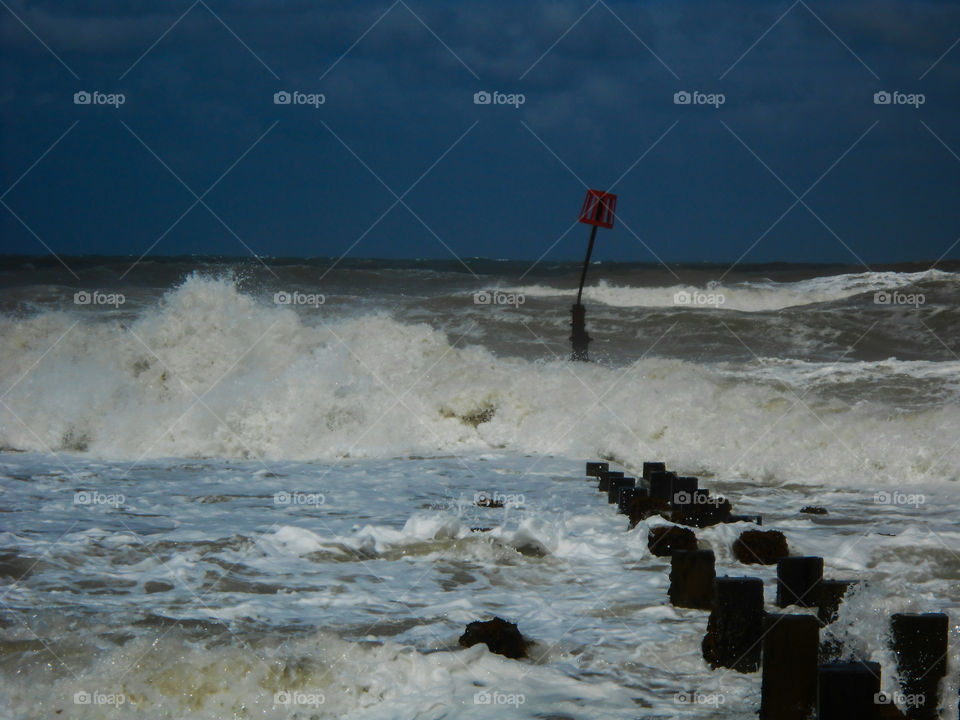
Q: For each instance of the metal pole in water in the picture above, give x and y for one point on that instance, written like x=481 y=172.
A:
x=598 y=210
x=586 y=263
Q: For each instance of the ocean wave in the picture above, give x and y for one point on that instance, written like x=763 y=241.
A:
x=212 y=372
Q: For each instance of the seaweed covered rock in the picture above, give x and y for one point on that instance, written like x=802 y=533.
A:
x=664 y=540
x=500 y=637
x=760 y=547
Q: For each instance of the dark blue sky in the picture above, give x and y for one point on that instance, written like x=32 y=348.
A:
x=702 y=183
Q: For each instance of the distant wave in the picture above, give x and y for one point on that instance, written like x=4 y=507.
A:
x=750 y=296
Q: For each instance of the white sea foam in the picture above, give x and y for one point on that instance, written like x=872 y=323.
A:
x=362 y=599
x=319 y=676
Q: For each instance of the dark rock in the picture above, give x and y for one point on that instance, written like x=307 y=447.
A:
x=760 y=547
x=735 y=627
x=532 y=549
x=500 y=637
x=813 y=510
x=664 y=540
x=692 y=574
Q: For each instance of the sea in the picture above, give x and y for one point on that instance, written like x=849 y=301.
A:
x=248 y=488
